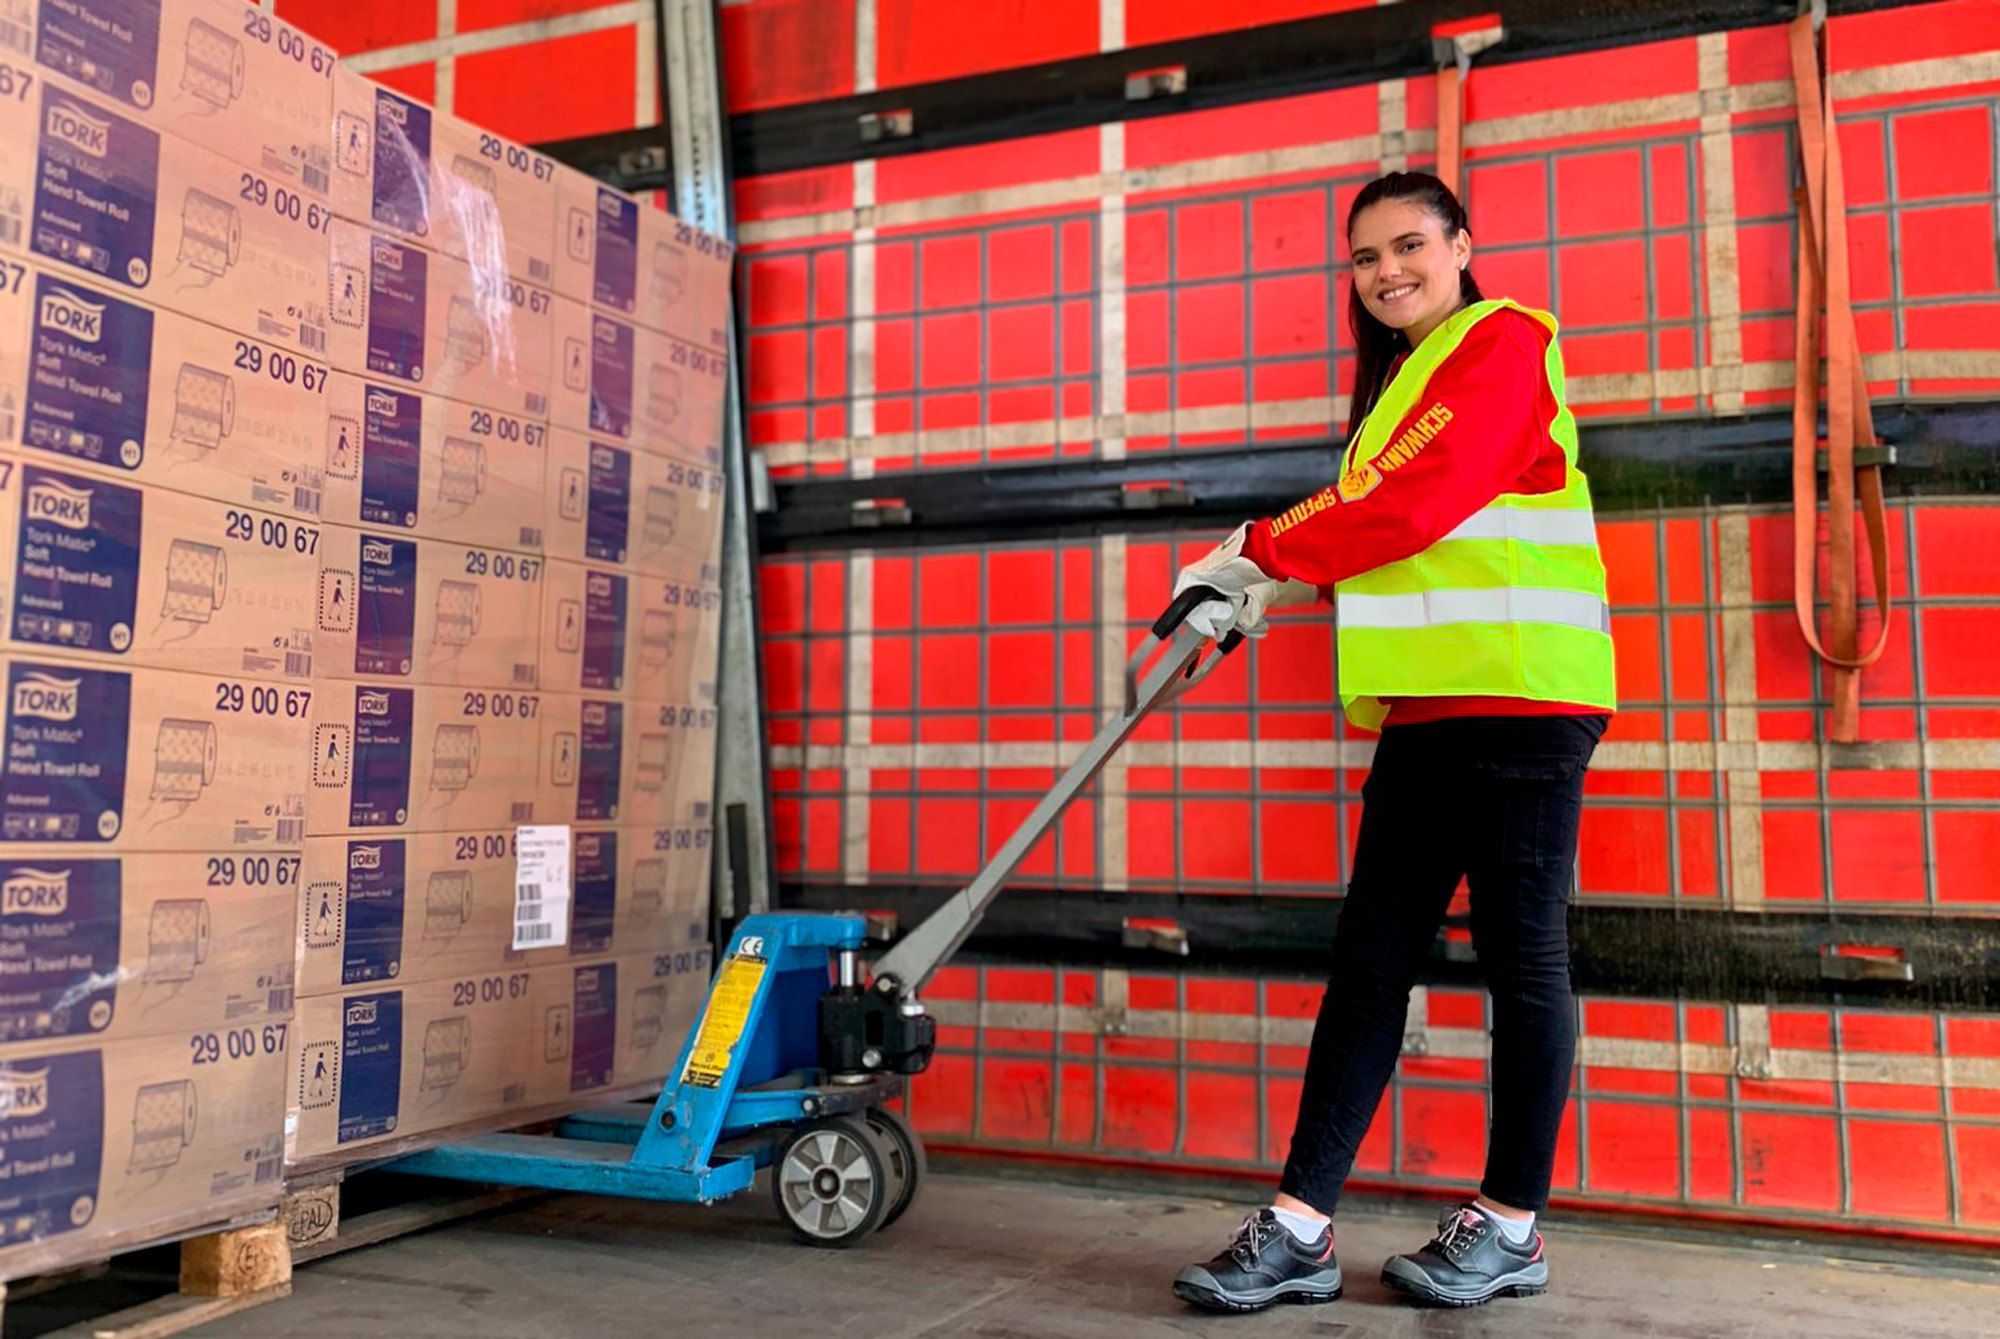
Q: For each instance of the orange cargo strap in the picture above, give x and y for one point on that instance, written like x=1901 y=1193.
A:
x=1823 y=273
x=1453 y=45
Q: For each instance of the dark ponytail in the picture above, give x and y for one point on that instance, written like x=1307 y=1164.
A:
x=1376 y=345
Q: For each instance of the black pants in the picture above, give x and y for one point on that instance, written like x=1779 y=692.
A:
x=1496 y=800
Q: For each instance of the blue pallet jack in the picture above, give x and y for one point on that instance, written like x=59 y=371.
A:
x=796 y=1054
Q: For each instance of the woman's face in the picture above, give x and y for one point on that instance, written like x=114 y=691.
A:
x=1404 y=269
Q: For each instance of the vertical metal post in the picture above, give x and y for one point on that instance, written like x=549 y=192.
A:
x=699 y=144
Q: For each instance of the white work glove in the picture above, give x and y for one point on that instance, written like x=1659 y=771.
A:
x=1247 y=593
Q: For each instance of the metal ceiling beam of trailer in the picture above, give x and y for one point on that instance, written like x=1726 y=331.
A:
x=1653 y=463
x=1222 y=69
x=1812 y=957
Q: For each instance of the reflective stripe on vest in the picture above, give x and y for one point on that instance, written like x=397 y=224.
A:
x=1510 y=603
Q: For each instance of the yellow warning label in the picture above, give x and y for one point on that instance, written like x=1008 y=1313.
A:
x=722 y=1023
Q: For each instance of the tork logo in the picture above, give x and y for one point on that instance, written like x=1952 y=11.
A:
x=606 y=332
x=72 y=125
x=383 y=402
x=46 y=696
x=586 y=846
x=607 y=204
x=371 y=703
x=599 y=585
x=68 y=312
x=361 y=1013
x=594 y=713
x=24 y=1092
x=377 y=554
x=603 y=457
x=365 y=857
x=386 y=254
x=35 y=892
x=65 y=506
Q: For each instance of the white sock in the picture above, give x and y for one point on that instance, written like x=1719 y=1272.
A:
x=1307 y=1229
x=1517 y=1231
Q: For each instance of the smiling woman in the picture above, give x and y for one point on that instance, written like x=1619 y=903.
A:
x=1473 y=633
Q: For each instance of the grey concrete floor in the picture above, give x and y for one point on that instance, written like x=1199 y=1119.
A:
x=1011 y=1259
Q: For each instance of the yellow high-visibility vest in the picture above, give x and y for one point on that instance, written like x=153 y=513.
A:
x=1510 y=604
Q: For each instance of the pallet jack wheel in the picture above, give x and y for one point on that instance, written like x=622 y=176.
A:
x=832 y=1182
x=906 y=1155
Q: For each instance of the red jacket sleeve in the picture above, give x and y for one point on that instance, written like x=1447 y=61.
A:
x=1479 y=430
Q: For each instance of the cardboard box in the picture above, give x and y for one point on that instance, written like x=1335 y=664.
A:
x=102 y=382
x=226 y=76
x=86 y=187
x=100 y=946
x=428 y=176
x=145 y=576
x=382 y=1064
x=623 y=256
x=153 y=760
x=390 y=760
x=426 y=611
x=611 y=505
x=636 y=387
x=429 y=321
x=107 y=1146
x=621 y=761
x=402 y=910
x=397 y=458
x=644 y=637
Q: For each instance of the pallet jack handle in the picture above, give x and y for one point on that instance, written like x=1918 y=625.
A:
x=1151 y=679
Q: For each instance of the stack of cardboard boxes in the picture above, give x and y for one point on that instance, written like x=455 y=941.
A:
x=359 y=505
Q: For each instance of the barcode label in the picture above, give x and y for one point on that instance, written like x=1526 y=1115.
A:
x=267 y=1170
x=7 y=425
x=298 y=664
x=311 y=338
x=541 y=885
x=314 y=179
x=10 y=229
x=524 y=675
x=538 y=406
x=15 y=36
x=531 y=537
x=291 y=831
x=523 y=811
x=538 y=270
x=306 y=501
x=280 y=1001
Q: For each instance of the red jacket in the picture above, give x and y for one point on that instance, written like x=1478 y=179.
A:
x=1494 y=439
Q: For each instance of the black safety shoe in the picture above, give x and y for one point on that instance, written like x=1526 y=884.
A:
x=1469 y=1261
x=1263 y=1264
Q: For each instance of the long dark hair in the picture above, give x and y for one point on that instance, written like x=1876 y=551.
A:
x=1375 y=344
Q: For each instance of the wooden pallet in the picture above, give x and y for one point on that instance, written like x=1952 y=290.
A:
x=221 y=1273
x=315 y=1228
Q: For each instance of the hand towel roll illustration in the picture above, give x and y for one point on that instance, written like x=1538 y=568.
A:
x=163 y=1123
x=576 y=366
x=649 y=1016
x=447 y=1051
x=663 y=396
x=211 y=234
x=661 y=517
x=454 y=757
x=579 y=231
x=649 y=888
x=333 y=749
x=204 y=407
x=353 y=144
x=656 y=757
x=462 y=471
x=184 y=757
x=464 y=332
x=325 y=915
x=658 y=636
x=669 y=272
x=569 y=626
x=457 y=613
x=343 y=446
x=197 y=581
x=447 y=903
x=214 y=70
x=177 y=939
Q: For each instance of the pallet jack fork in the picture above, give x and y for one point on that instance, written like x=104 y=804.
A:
x=795 y=1055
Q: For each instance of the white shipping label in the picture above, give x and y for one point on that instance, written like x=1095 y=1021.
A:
x=541 y=885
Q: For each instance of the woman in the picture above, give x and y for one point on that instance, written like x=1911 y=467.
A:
x=1473 y=633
